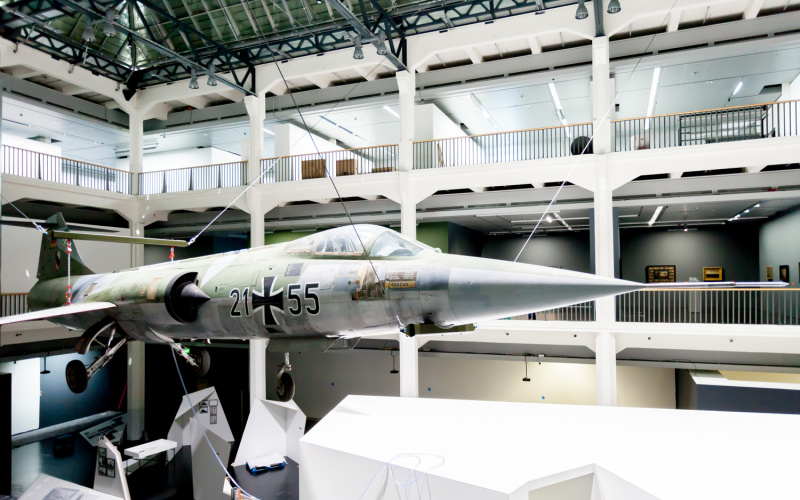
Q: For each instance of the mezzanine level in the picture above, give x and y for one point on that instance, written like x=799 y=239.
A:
x=748 y=137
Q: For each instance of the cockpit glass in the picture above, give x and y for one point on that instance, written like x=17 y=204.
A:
x=301 y=246
x=391 y=244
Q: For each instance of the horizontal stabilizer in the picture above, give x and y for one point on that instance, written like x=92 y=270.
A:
x=53 y=225
x=716 y=284
x=132 y=240
x=57 y=311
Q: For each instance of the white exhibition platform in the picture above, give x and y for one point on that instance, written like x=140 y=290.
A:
x=398 y=448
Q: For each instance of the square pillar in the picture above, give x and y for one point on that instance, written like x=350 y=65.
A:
x=606 y=368
x=407 y=87
x=136 y=144
x=603 y=239
x=603 y=90
x=257 y=366
x=409 y=366
x=256 y=111
x=135 y=391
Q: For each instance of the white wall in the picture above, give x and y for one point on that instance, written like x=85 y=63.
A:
x=292 y=140
x=24 y=394
x=9 y=139
x=181 y=158
x=20 y=257
x=324 y=379
x=431 y=123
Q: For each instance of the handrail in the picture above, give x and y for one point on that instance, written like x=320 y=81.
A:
x=502 y=133
x=732 y=108
x=65 y=158
x=327 y=152
x=198 y=166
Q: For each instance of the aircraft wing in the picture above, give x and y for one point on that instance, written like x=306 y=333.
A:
x=57 y=311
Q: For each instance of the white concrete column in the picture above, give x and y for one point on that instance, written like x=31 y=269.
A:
x=603 y=238
x=602 y=96
x=406 y=85
x=606 y=368
x=257 y=113
x=135 y=390
x=136 y=146
x=258 y=347
x=409 y=366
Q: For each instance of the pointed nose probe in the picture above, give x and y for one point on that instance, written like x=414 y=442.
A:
x=477 y=294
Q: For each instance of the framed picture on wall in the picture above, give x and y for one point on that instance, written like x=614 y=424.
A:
x=784 y=274
x=769 y=274
x=660 y=274
x=713 y=274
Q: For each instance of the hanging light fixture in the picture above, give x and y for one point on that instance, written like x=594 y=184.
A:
x=88 y=32
x=582 y=12
x=381 y=44
x=212 y=76
x=358 y=53
x=525 y=378
x=394 y=370
x=193 y=82
x=614 y=7
x=108 y=24
x=45 y=371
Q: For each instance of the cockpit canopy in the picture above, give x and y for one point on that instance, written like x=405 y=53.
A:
x=350 y=242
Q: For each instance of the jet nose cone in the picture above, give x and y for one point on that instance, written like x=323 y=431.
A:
x=193 y=296
x=480 y=294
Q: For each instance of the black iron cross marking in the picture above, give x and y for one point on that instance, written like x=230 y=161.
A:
x=268 y=298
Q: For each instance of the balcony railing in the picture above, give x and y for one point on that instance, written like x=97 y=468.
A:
x=778 y=119
x=520 y=145
x=46 y=167
x=371 y=160
x=735 y=306
x=13 y=303
x=194 y=178
x=576 y=312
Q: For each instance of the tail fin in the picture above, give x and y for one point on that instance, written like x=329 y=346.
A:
x=53 y=254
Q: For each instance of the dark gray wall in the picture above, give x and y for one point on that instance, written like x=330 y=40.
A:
x=464 y=241
x=564 y=250
x=692 y=396
x=58 y=404
x=733 y=247
x=779 y=244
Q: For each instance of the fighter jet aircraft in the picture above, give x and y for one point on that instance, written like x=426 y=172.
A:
x=342 y=283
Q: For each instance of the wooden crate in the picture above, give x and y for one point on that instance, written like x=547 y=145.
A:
x=346 y=167
x=313 y=169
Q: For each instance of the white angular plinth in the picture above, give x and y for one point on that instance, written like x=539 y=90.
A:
x=488 y=450
x=188 y=430
x=109 y=470
x=272 y=427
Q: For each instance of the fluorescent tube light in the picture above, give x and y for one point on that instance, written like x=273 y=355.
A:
x=391 y=111
x=738 y=87
x=651 y=103
x=554 y=94
x=268 y=131
x=655 y=215
x=548 y=219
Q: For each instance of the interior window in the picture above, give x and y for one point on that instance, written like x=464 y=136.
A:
x=391 y=244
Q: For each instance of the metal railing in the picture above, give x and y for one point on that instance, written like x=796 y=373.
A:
x=734 y=306
x=577 y=312
x=520 y=145
x=13 y=303
x=46 y=167
x=777 y=119
x=194 y=178
x=370 y=160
